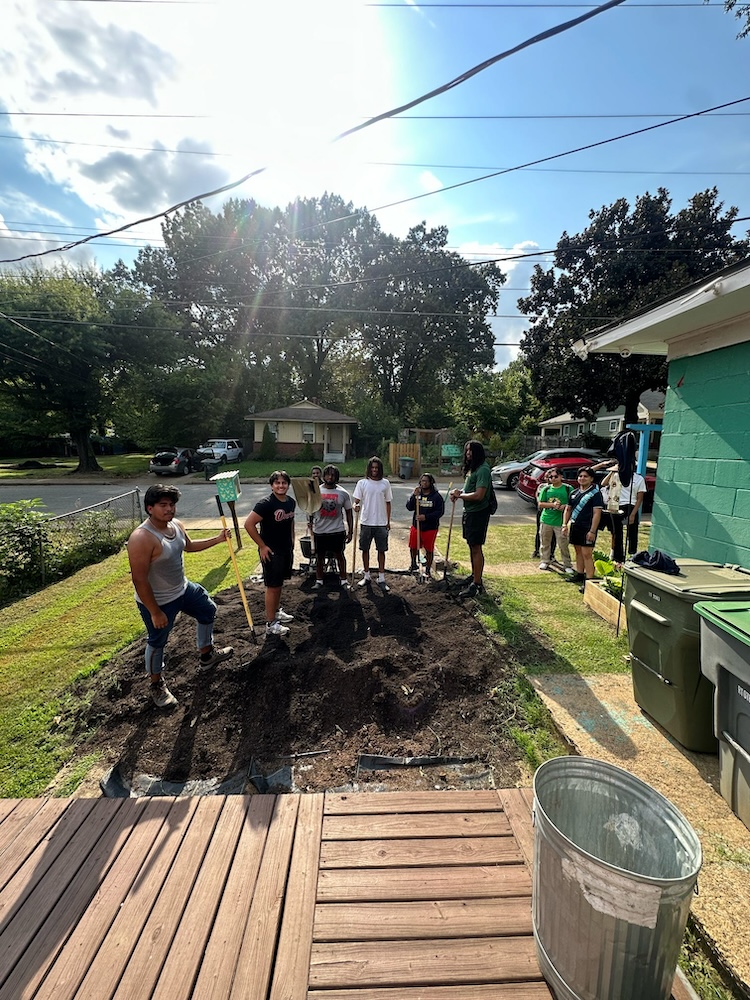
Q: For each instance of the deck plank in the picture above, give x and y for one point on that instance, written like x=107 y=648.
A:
x=107 y=968
x=423 y=963
x=101 y=840
x=183 y=961
x=154 y=943
x=225 y=943
x=29 y=829
x=67 y=973
x=422 y=825
x=475 y=991
x=295 y=940
x=424 y=919
x=341 y=885
x=373 y=803
x=419 y=853
x=518 y=813
x=256 y=958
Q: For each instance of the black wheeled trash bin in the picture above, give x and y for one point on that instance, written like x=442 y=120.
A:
x=405 y=467
x=210 y=467
x=725 y=661
x=664 y=639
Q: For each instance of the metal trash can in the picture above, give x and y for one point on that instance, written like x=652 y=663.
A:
x=725 y=661
x=664 y=640
x=615 y=866
x=210 y=468
x=405 y=467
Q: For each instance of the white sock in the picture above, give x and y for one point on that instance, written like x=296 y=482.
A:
x=381 y=577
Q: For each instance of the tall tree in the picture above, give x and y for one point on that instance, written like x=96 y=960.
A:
x=428 y=330
x=496 y=402
x=742 y=13
x=624 y=260
x=67 y=337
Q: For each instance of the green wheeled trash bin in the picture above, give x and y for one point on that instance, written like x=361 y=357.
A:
x=664 y=639
x=725 y=661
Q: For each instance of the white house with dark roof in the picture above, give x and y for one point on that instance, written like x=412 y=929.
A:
x=328 y=432
x=606 y=423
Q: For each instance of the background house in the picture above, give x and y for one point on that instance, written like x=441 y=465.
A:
x=702 y=506
x=328 y=433
x=607 y=423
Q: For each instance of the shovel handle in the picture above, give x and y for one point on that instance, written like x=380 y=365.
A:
x=243 y=595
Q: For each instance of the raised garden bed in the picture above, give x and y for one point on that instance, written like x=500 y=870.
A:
x=604 y=604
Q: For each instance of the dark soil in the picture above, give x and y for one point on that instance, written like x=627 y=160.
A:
x=407 y=674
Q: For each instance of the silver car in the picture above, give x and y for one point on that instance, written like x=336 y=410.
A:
x=505 y=476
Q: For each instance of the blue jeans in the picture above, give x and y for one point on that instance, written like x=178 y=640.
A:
x=194 y=602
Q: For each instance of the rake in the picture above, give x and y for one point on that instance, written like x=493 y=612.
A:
x=243 y=595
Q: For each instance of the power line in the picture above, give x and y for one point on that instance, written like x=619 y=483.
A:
x=387 y=114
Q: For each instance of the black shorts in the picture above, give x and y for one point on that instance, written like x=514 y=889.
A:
x=332 y=543
x=277 y=569
x=577 y=536
x=474 y=526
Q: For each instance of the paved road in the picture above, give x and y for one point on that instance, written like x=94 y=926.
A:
x=198 y=501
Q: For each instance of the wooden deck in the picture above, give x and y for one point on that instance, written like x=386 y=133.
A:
x=388 y=896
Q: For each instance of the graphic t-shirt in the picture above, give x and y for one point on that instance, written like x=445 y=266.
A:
x=277 y=524
x=330 y=518
x=431 y=505
x=548 y=493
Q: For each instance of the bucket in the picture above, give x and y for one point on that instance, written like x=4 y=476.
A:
x=305 y=544
x=615 y=866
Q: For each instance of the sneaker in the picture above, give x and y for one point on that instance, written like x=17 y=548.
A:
x=318 y=583
x=276 y=628
x=535 y=554
x=364 y=582
x=543 y=565
x=161 y=696
x=344 y=584
x=575 y=578
x=216 y=656
x=384 y=586
x=471 y=591
x=283 y=617
x=569 y=571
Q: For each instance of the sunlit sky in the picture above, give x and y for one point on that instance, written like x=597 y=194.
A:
x=245 y=84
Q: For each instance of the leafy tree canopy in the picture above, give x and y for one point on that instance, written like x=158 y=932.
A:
x=741 y=12
x=70 y=337
x=496 y=403
x=625 y=259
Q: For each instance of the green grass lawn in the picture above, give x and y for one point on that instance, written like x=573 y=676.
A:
x=123 y=466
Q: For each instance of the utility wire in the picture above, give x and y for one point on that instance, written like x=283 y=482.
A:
x=388 y=114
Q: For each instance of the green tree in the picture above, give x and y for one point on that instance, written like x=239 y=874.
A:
x=496 y=403
x=69 y=337
x=741 y=12
x=428 y=329
x=623 y=261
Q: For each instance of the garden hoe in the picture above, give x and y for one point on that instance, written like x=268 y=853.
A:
x=446 y=563
x=243 y=595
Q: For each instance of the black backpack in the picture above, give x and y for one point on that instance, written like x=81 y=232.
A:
x=492 y=500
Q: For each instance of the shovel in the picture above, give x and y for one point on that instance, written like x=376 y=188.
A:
x=420 y=570
x=243 y=595
x=354 y=541
x=450 y=532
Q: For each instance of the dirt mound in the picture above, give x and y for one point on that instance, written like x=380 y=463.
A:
x=409 y=673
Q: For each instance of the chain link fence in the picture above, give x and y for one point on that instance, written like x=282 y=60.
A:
x=36 y=550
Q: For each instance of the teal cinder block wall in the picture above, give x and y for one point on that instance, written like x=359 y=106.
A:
x=702 y=504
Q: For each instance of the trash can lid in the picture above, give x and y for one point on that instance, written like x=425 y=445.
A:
x=731 y=616
x=696 y=577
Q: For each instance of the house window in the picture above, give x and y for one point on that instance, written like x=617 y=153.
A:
x=592 y=426
x=566 y=431
x=308 y=433
x=613 y=425
x=581 y=429
x=274 y=428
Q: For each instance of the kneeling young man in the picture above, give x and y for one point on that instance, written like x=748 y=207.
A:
x=270 y=524
x=155 y=553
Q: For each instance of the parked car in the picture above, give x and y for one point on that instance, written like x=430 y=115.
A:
x=221 y=450
x=505 y=476
x=172 y=461
x=531 y=476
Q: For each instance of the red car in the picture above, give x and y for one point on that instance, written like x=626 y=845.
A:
x=531 y=477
